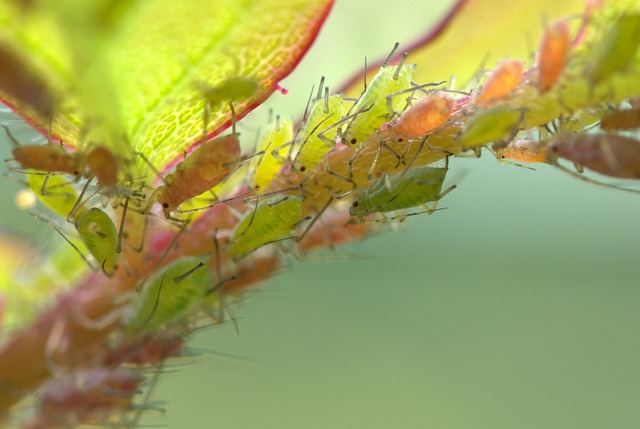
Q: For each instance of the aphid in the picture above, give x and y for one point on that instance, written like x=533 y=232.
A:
x=103 y=164
x=50 y=157
x=530 y=151
x=628 y=119
x=410 y=188
x=427 y=114
x=99 y=234
x=236 y=88
x=273 y=219
x=316 y=137
x=87 y=396
x=273 y=143
x=332 y=229
x=617 y=49
x=490 y=125
x=502 y=81
x=151 y=350
x=553 y=54
x=170 y=296
x=608 y=154
x=370 y=112
x=200 y=171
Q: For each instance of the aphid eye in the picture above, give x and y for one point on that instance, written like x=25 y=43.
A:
x=355 y=204
x=165 y=205
x=303 y=169
x=353 y=141
x=400 y=140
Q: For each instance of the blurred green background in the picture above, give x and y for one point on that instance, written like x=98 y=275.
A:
x=515 y=307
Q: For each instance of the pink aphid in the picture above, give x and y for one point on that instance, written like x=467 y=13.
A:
x=88 y=396
x=502 y=81
x=423 y=117
x=553 y=54
x=608 y=154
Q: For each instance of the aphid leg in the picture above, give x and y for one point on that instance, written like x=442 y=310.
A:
x=315 y=219
x=588 y=179
x=80 y=202
x=391 y=111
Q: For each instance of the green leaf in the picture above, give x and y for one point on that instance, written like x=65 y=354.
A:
x=133 y=75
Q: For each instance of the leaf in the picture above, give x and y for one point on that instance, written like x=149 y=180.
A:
x=475 y=33
x=132 y=75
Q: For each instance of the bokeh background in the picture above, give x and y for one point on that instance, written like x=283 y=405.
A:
x=517 y=306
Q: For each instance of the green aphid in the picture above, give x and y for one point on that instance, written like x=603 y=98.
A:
x=235 y=88
x=617 y=49
x=410 y=188
x=53 y=191
x=313 y=141
x=99 y=234
x=273 y=219
x=274 y=144
x=370 y=112
x=490 y=125
x=170 y=296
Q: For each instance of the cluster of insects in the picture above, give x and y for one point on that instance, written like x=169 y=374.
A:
x=221 y=220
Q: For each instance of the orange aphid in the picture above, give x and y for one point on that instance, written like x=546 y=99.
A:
x=621 y=120
x=103 y=165
x=531 y=151
x=502 y=81
x=50 y=157
x=553 y=53
x=201 y=170
x=426 y=115
x=608 y=154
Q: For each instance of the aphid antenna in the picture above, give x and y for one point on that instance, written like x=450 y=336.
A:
x=266 y=194
x=503 y=160
x=349 y=118
x=314 y=219
x=304 y=143
x=403 y=217
x=411 y=90
x=164 y=255
x=198 y=209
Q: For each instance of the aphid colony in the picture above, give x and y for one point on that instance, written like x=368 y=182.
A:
x=223 y=220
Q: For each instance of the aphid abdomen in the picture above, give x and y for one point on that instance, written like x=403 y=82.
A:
x=531 y=151
x=553 y=54
x=502 y=81
x=428 y=114
x=103 y=165
x=170 y=296
x=273 y=143
x=312 y=148
x=401 y=191
x=99 y=234
x=273 y=219
x=51 y=158
x=611 y=155
x=621 y=120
